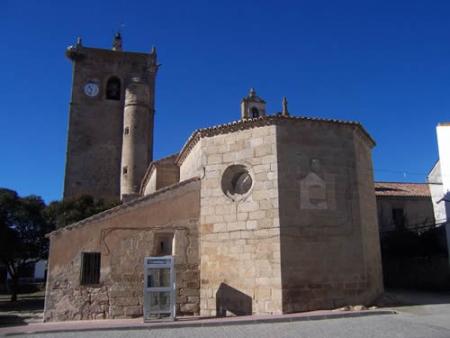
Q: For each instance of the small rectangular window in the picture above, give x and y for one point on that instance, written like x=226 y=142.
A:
x=125 y=170
x=90 y=268
x=126 y=131
x=163 y=244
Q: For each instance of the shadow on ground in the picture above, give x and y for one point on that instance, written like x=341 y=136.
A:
x=399 y=298
x=11 y=320
x=27 y=309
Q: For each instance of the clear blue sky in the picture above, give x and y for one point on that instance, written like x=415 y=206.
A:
x=383 y=63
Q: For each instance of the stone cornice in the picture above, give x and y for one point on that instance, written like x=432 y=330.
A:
x=259 y=122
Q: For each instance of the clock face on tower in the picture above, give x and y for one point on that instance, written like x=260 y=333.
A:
x=91 y=89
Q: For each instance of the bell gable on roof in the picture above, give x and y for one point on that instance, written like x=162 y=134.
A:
x=252 y=106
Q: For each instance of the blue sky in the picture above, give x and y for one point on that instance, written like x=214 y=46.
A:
x=383 y=63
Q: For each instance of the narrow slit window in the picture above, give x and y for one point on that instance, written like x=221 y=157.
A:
x=126 y=130
x=125 y=170
x=90 y=268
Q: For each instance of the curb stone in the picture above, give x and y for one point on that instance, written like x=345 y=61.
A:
x=213 y=323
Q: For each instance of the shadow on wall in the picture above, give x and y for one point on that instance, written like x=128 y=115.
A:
x=229 y=299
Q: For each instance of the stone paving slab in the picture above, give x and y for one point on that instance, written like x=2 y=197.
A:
x=136 y=324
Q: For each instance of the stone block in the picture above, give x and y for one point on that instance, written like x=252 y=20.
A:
x=230 y=217
x=213 y=218
x=225 y=209
x=242 y=216
x=220 y=227
x=124 y=301
x=190 y=308
x=115 y=311
x=233 y=226
x=234 y=235
x=229 y=157
x=214 y=158
x=244 y=154
x=248 y=206
x=255 y=215
x=254 y=142
x=189 y=292
x=193 y=299
x=223 y=236
x=261 y=168
x=264 y=203
x=251 y=225
x=133 y=311
x=263 y=150
x=263 y=293
x=268 y=159
x=114 y=294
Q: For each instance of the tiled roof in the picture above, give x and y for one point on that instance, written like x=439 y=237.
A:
x=258 y=122
x=124 y=206
x=402 y=189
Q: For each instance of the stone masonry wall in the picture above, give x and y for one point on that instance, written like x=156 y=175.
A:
x=168 y=173
x=124 y=237
x=370 y=233
x=94 y=145
x=164 y=173
x=239 y=240
x=329 y=241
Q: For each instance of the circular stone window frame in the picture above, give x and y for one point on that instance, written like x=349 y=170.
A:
x=231 y=172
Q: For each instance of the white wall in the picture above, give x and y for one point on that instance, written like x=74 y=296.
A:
x=193 y=163
x=436 y=191
x=150 y=187
x=39 y=269
x=443 y=138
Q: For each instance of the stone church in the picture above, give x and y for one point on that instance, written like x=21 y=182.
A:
x=268 y=214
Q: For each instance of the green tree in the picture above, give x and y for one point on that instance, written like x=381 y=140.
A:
x=65 y=212
x=22 y=233
x=24 y=222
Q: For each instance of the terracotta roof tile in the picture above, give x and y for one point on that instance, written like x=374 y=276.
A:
x=257 y=122
x=402 y=189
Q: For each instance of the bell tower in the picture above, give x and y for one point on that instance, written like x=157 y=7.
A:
x=101 y=81
x=252 y=106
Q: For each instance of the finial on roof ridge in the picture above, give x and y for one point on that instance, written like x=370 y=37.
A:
x=117 y=42
x=284 y=104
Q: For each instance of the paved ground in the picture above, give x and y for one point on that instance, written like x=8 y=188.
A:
x=419 y=315
x=27 y=309
x=400 y=325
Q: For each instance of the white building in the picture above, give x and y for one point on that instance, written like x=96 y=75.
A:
x=439 y=179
